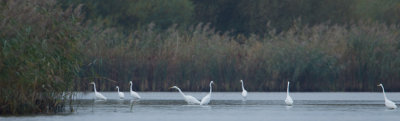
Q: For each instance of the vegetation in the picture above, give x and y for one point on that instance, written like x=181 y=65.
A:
x=39 y=57
x=51 y=48
x=320 y=58
x=237 y=16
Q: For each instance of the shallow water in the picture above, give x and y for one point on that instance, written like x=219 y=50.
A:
x=228 y=106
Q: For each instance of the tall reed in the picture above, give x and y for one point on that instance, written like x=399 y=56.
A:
x=38 y=57
x=352 y=57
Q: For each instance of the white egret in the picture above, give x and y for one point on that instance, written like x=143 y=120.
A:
x=133 y=93
x=206 y=99
x=244 y=92
x=389 y=104
x=98 y=95
x=188 y=98
x=288 y=99
x=121 y=94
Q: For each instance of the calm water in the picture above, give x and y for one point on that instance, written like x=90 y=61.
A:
x=228 y=106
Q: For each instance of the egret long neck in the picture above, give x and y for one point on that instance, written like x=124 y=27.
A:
x=210 y=88
x=287 y=90
x=383 y=90
x=118 y=89
x=94 y=87
x=242 y=86
x=180 y=91
x=131 y=87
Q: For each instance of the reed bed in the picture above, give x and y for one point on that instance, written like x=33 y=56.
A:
x=39 y=58
x=353 y=57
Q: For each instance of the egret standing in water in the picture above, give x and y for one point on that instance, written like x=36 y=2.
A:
x=188 y=98
x=133 y=93
x=288 y=99
x=98 y=95
x=206 y=99
x=388 y=103
x=120 y=94
x=244 y=92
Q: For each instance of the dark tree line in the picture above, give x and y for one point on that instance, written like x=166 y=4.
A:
x=239 y=16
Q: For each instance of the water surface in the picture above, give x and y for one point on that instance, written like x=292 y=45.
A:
x=228 y=106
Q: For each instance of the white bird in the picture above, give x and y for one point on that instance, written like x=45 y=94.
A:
x=389 y=104
x=98 y=95
x=206 y=99
x=133 y=93
x=121 y=94
x=288 y=99
x=244 y=92
x=188 y=98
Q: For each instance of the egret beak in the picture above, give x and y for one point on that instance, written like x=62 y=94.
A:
x=378 y=85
